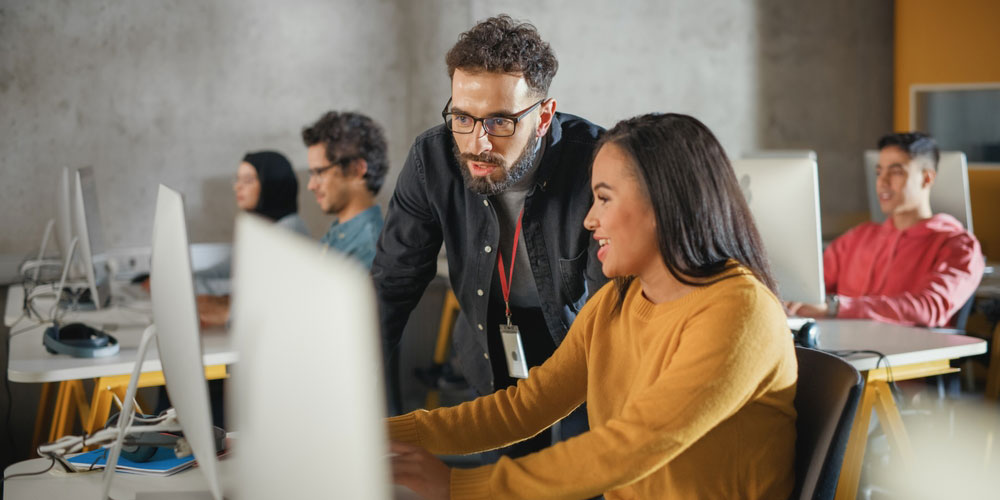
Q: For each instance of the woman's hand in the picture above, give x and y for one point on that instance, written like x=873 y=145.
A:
x=418 y=470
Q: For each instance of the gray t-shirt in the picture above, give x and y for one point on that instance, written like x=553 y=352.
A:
x=523 y=292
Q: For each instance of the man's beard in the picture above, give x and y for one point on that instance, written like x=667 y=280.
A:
x=486 y=185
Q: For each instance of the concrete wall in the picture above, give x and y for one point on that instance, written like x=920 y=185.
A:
x=824 y=78
x=176 y=92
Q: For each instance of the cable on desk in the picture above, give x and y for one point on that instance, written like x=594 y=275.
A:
x=891 y=380
x=97 y=459
x=12 y=476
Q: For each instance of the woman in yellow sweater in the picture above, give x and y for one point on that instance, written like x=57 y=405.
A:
x=685 y=361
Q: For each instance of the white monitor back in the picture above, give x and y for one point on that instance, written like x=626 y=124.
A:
x=177 y=334
x=307 y=398
x=782 y=153
x=783 y=195
x=90 y=237
x=949 y=194
x=64 y=220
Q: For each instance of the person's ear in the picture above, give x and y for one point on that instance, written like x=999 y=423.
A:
x=358 y=168
x=547 y=113
x=929 y=175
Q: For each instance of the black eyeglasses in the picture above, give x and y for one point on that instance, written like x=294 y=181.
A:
x=319 y=171
x=497 y=126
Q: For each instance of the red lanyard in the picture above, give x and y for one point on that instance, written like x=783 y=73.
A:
x=505 y=280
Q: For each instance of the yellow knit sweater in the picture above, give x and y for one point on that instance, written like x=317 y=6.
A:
x=691 y=398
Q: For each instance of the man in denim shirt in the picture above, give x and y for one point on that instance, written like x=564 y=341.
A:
x=347 y=164
x=504 y=179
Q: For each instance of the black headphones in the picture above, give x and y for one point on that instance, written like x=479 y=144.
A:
x=142 y=446
x=807 y=335
x=79 y=340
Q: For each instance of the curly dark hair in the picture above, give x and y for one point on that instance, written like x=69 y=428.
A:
x=915 y=144
x=503 y=45
x=348 y=134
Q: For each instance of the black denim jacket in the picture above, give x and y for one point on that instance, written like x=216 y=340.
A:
x=431 y=205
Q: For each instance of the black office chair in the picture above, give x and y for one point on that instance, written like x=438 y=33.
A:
x=826 y=399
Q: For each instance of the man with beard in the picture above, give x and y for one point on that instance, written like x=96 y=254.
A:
x=504 y=184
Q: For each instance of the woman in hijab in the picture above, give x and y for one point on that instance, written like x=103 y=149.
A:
x=265 y=185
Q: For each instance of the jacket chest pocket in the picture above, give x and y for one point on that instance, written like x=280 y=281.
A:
x=571 y=272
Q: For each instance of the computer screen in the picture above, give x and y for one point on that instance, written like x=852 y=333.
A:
x=90 y=237
x=307 y=395
x=177 y=335
x=64 y=224
x=783 y=195
x=949 y=193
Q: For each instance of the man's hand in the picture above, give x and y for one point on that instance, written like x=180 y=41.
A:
x=806 y=310
x=418 y=470
x=213 y=310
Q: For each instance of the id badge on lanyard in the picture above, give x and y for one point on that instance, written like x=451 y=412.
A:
x=517 y=366
x=513 y=350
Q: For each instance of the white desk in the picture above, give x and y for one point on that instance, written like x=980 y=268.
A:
x=29 y=362
x=189 y=484
x=130 y=314
x=910 y=353
x=902 y=345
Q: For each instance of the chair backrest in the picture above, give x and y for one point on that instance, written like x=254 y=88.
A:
x=826 y=399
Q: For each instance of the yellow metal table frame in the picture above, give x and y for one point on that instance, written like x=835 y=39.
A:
x=71 y=399
x=449 y=313
x=877 y=396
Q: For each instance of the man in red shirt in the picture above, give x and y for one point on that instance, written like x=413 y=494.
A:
x=916 y=268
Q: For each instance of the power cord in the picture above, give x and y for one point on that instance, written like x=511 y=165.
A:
x=891 y=380
x=25 y=474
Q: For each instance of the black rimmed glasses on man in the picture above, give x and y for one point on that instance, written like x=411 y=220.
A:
x=497 y=126
x=320 y=171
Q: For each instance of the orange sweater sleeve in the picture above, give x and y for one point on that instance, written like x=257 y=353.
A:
x=722 y=359
x=551 y=391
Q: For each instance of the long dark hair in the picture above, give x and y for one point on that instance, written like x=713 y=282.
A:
x=702 y=219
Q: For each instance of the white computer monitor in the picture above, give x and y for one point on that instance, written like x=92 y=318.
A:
x=949 y=193
x=307 y=396
x=90 y=237
x=781 y=153
x=783 y=195
x=177 y=334
x=64 y=224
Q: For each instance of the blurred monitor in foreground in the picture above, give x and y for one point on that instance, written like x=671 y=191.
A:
x=308 y=398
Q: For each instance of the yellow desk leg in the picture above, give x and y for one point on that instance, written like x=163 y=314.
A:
x=107 y=387
x=850 y=471
x=68 y=398
x=993 y=372
x=43 y=407
x=876 y=395
x=891 y=422
x=449 y=313
x=62 y=397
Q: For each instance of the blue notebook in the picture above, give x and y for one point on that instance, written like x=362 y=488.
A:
x=162 y=463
